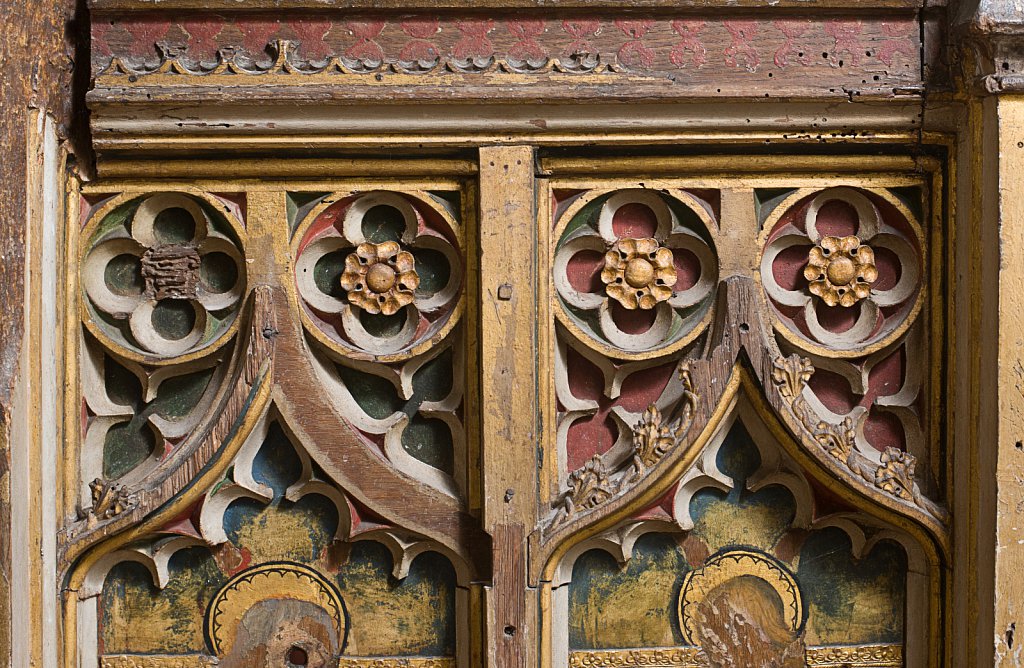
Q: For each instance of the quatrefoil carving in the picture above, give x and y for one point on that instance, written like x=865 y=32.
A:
x=624 y=254
x=842 y=270
x=379 y=274
x=163 y=275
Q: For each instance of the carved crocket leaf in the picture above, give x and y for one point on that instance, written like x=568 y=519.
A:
x=215 y=437
x=892 y=473
x=594 y=484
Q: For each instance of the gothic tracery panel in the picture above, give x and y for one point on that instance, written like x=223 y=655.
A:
x=279 y=421
x=803 y=309
x=216 y=522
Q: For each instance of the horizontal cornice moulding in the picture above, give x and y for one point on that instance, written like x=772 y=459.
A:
x=507 y=57
x=797 y=166
x=551 y=5
x=182 y=128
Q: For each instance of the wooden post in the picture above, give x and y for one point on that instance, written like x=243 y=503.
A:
x=509 y=393
x=1004 y=452
x=988 y=485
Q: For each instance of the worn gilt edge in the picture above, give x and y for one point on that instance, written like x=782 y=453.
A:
x=868 y=656
x=203 y=661
x=127 y=7
x=592 y=485
x=229 y=62
x=116 y=507
x=894 y=475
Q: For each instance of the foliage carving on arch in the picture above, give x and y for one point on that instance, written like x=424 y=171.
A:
x=823 y=334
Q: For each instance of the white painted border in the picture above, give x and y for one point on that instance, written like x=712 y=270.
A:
x=34 y=591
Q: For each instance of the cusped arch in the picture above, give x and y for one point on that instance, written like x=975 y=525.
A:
x=783 y=462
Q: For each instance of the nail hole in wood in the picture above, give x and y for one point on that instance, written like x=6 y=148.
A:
x=298 y=656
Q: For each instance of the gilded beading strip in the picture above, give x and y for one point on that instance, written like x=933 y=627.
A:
x=155 y=661
x=879 y=656
x=620 y=658
x=202 y=661
x=869 y=656
x=413 y=662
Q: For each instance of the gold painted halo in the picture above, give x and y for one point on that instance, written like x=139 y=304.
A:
x=269 y=581
x=725 y=566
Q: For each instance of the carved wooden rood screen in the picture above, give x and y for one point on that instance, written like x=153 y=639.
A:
x=437 y=338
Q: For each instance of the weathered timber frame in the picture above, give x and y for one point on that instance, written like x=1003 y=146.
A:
x=505 y=131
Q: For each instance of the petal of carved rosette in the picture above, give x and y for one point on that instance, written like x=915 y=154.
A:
x=163 y=275
x=633 y=279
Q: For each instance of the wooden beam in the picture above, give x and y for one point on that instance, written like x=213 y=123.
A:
x=509 y=317
x=434 y=5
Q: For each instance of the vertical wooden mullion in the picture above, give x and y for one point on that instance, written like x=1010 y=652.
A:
x=509 y=397
x=471 y=337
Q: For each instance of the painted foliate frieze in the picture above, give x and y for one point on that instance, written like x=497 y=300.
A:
x=743 y=387
x=850 y=51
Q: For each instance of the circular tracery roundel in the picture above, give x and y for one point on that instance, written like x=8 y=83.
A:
x=380 y=273
x=163 y=275
x=842 y=270
x=635 y=271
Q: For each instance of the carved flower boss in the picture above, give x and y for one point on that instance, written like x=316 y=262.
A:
x=379 y=271
x=639 y=273
x=629 y=248
x=380 y=278
x=841 y=231
x=841 y=270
